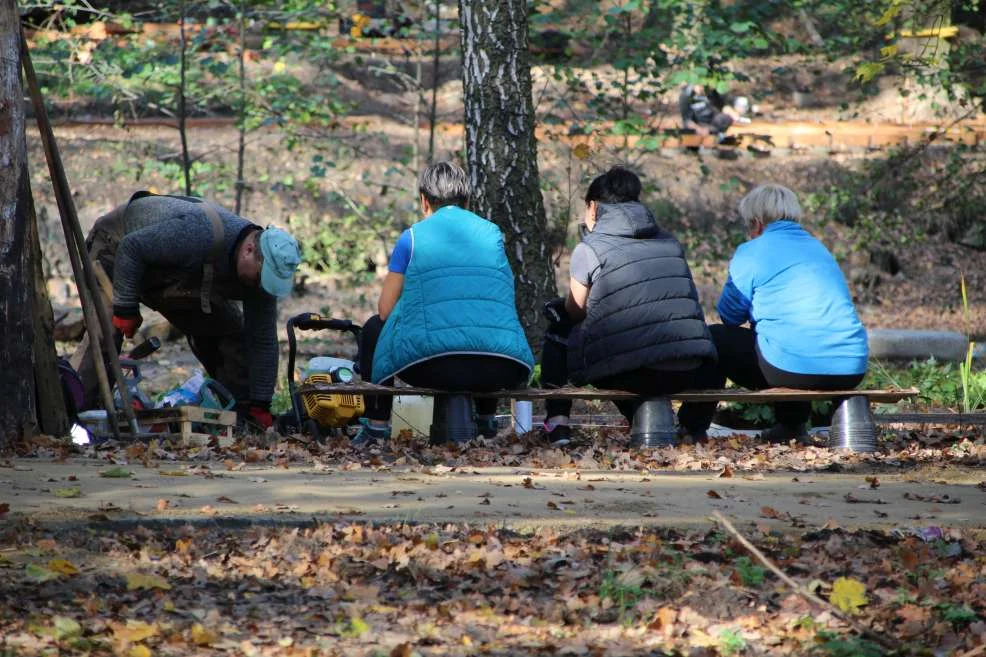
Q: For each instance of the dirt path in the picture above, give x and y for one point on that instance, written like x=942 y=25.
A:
x=510 y=497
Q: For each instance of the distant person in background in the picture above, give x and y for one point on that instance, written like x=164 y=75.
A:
x=706 y=112
x=803 y=329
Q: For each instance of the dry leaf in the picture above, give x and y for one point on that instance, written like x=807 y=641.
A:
x=726 y=472
x=143 y=581
x=134 y=631
x=201 y=636
x=223 y=498
x=664 y=619
x=714 y=495
x=4 y=508
x=848 y=594
x=163 y=504
x=62 y=566
x=552 y=505
x=581 y=151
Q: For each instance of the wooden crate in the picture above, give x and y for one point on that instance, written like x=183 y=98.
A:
x=185 y=417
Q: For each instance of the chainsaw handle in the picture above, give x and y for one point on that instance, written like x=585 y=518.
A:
x=312 y=321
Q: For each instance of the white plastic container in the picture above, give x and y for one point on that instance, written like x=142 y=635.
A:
x=324 y=365
x=95 y=422
x=523 y=412
x=413 y=413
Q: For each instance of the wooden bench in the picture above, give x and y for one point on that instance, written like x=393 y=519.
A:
x=852 y=427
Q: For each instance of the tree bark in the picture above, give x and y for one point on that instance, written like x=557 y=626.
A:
x=17 y=400
x=501 y=151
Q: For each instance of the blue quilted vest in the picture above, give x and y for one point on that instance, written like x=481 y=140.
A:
x=458 y=297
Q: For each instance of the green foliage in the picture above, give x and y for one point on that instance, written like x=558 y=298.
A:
x=831 y=644
x=622 y=591
x=750 y=573
x=731 y=642
x=940 y=383
x=958 y=615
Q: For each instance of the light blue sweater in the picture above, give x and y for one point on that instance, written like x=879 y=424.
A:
x=788 y=285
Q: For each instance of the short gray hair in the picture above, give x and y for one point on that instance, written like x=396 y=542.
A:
x=769 y=203
x=444 y=183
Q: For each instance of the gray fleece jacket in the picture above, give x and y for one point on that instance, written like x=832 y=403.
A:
x=166 y=242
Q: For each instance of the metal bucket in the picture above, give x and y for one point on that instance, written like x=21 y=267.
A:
x=653 y=424
x=452 y=419
x=852 y=426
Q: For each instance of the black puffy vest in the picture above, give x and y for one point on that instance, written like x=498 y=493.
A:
x=643 y=309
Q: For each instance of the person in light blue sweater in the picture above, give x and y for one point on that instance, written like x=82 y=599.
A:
x=803 y=329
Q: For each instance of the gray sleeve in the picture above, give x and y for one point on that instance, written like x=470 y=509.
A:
x=180 y=243
x=585 y=265
x=260 y=327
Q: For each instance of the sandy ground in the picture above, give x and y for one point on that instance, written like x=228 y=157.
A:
x=508 y=497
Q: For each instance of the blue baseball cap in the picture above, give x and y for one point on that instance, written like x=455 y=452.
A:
x=281 y=258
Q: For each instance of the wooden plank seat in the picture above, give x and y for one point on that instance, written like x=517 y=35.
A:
x=653 y=423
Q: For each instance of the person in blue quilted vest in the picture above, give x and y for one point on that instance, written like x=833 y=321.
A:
x=446 y=317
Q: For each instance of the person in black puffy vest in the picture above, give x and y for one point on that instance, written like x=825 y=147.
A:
x=632 y=319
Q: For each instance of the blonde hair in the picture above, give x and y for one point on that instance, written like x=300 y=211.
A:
x=769 y=203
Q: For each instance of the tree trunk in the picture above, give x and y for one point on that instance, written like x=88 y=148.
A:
x=501 y=151
x=17 y=402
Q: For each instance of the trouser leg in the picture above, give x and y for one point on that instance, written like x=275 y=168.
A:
x=695 y=417
x=647 y=383
x=216 y=339
x=797 y=413
x=721 y=122
x=378 y=407
x=468 y=373
x=554 y=368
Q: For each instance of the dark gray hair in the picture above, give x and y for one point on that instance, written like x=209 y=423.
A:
x=444 y=183
x=769 y=203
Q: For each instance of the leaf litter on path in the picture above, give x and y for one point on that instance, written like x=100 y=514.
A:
x=454 y=589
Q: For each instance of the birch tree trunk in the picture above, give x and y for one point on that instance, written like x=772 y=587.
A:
x=501 y=151
x=17 y=399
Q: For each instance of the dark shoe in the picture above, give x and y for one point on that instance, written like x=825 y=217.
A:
x=784 y=433
x=559 y=436
x=369 y=435
x=689 y=437
x=487 y=427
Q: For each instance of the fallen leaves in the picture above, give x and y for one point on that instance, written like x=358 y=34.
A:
x=137 y=581
x=116 y=473
x=934 y=499
x=848 y=595
x=71 y=491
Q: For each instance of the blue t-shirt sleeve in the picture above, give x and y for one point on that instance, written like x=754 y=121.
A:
x=736 y=301
x=401 y=256
x=733 y=306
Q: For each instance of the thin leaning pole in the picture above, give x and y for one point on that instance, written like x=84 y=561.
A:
x=94 y=312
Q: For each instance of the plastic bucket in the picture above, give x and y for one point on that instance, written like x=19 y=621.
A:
x=452 y=419
x=653 y=424
x=852 y=426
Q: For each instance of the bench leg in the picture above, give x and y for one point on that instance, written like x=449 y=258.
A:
x=452 y=419
x=653 y=424
x=852 y=425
